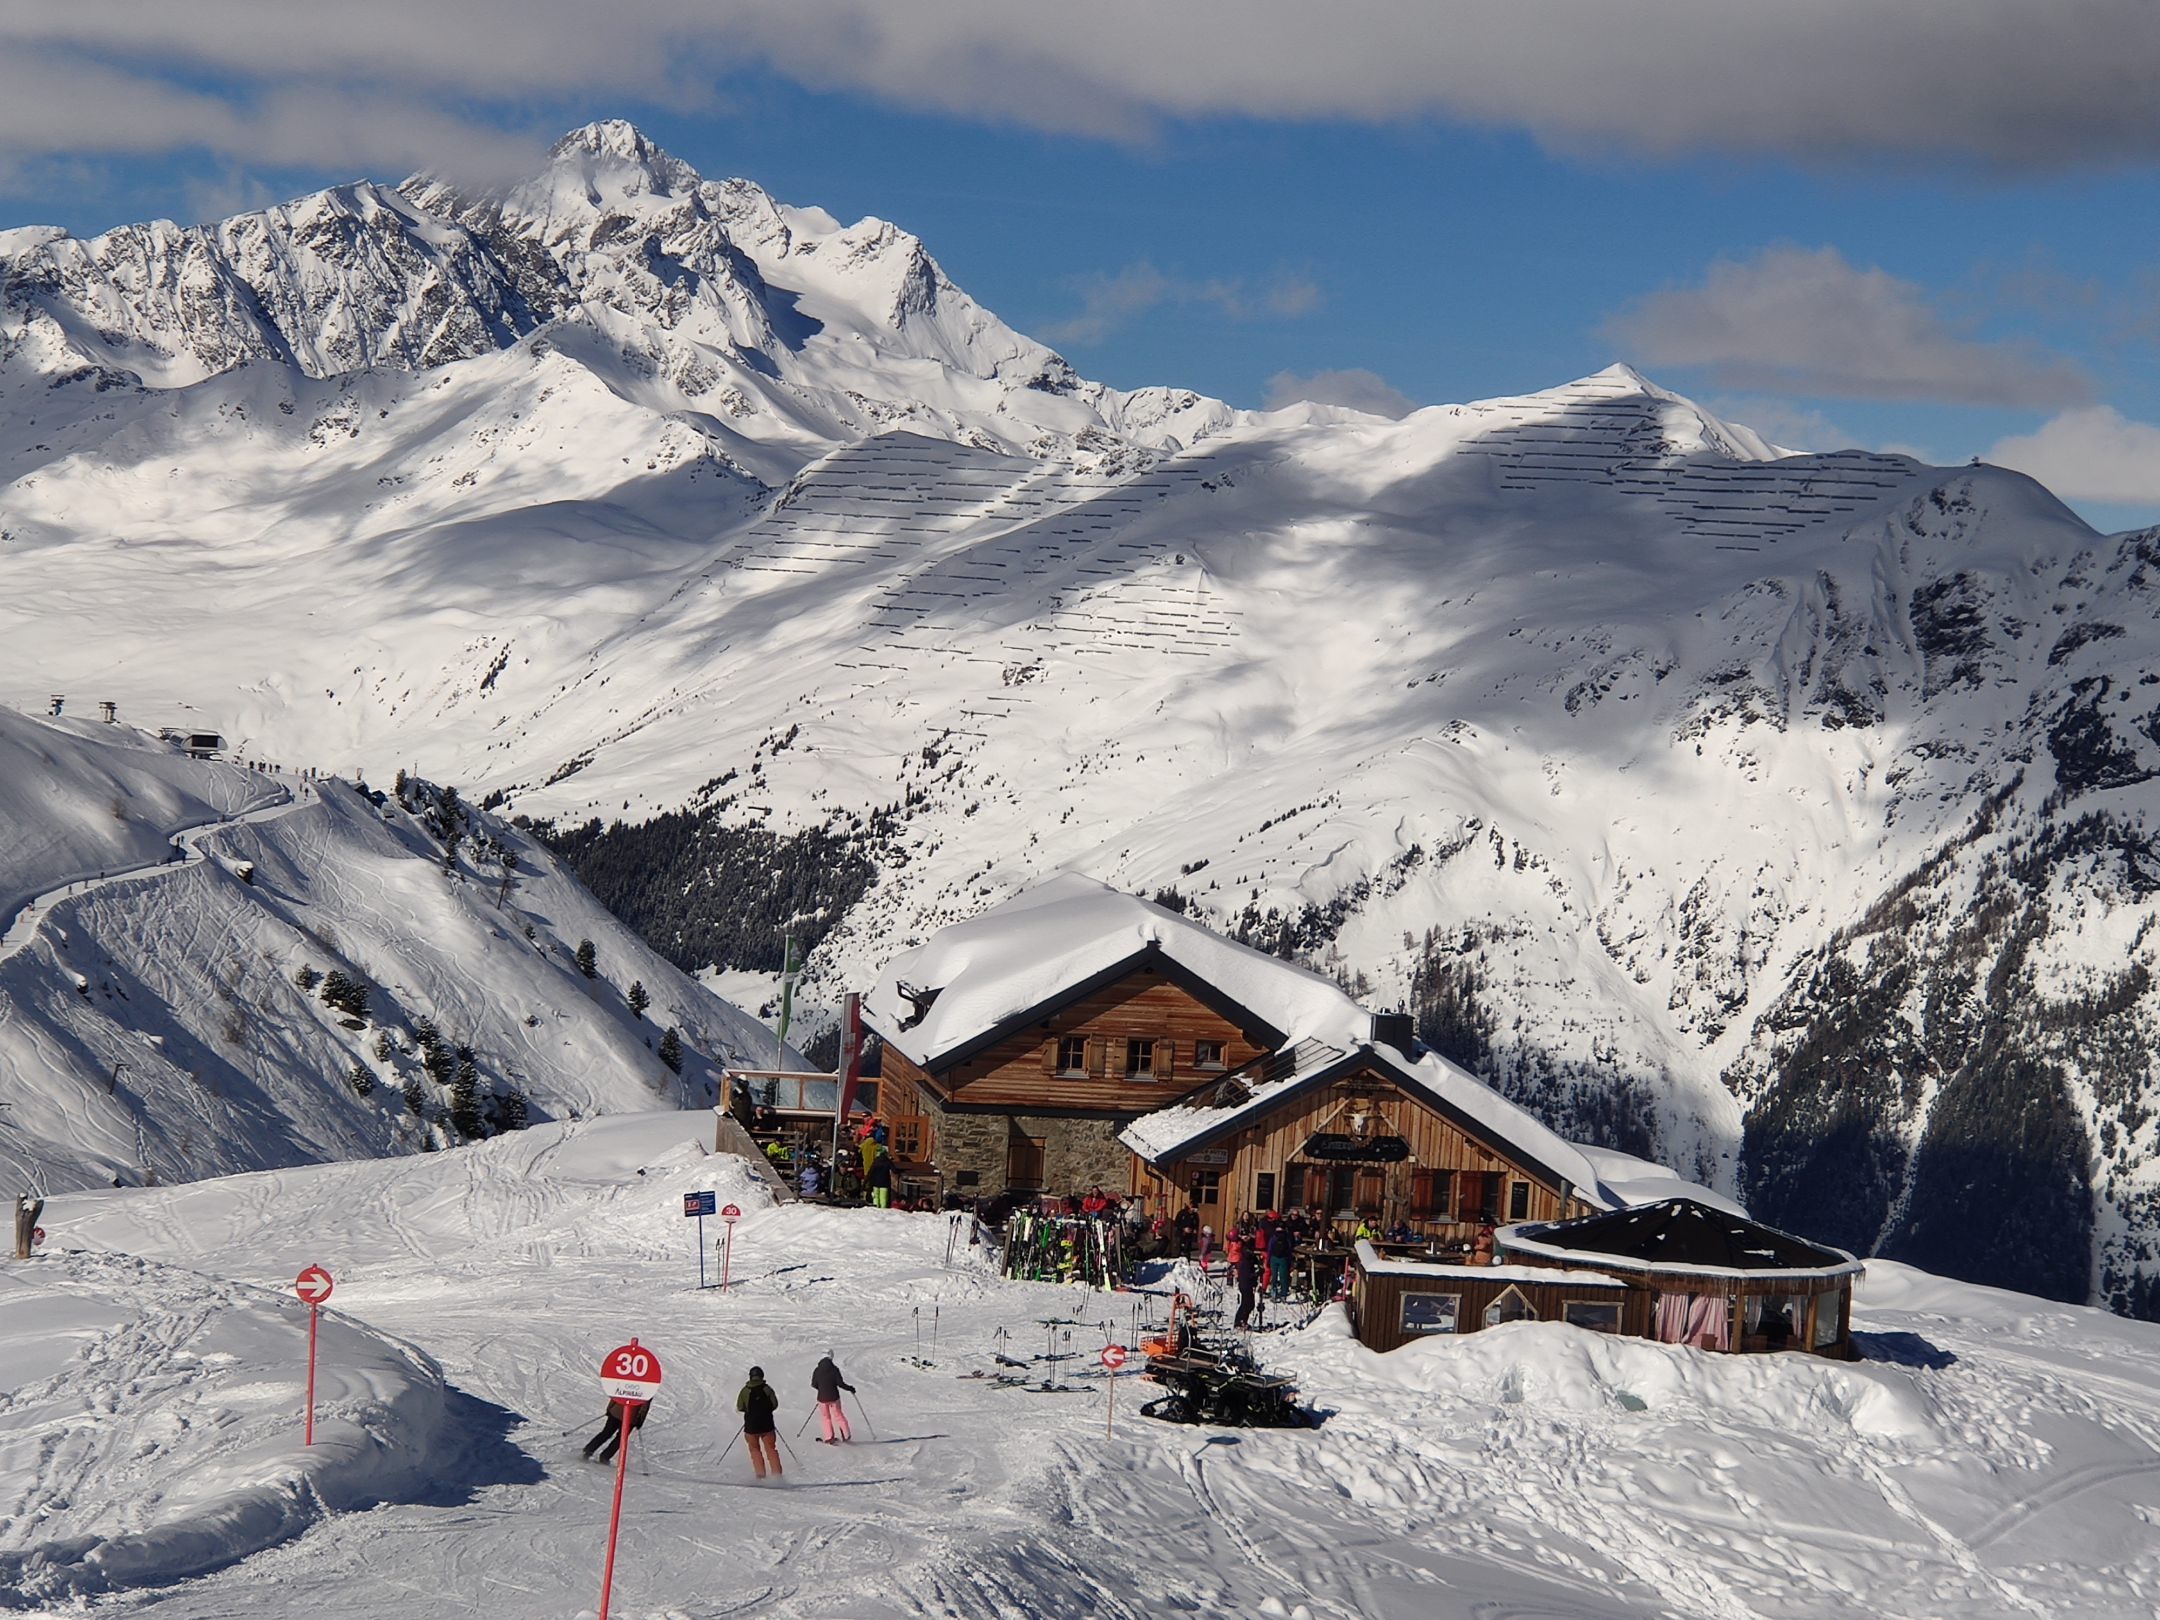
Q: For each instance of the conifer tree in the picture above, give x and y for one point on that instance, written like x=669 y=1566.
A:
x=361 y=1081
x=671 y=1050
x=588 y=960
x=307 y=978
x=637 y=997
x=465 y=1096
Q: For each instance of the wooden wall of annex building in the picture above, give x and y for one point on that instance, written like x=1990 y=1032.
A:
x=1021 y=1070
x=1273 y=1145
x=1378 y=1298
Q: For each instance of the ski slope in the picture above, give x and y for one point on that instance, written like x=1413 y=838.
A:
x=150 y=1024
x=2001 y=1457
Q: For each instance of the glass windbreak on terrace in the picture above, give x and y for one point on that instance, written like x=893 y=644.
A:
x=808 y=1093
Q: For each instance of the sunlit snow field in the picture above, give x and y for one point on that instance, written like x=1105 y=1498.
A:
x=2000 y=1459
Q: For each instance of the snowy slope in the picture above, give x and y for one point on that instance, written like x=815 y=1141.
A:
x=1584 y=723
x=151 y=1027
x=1996 y=1455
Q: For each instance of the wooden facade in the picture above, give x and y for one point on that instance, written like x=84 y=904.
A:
x=1393 y=1307
x=1360 y=1143
x=1037 y=1103
x=1394 y=1303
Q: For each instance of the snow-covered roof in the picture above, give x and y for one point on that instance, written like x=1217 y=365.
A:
x=1681 y=1236
x=1375 y=1264
x=973 y=977
x=1169 y=1131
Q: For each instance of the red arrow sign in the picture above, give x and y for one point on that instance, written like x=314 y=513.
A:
x=1113 y=1356
x=631 y=1373
x=731 y=1212
x=313 y=1285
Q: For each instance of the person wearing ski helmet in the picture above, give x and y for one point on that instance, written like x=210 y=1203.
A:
x=826 y=1380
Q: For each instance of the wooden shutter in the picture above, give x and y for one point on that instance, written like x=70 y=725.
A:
x=1316 y=1188
x=1163 y=1065
x=1098 y=1055
x=1050 y=1055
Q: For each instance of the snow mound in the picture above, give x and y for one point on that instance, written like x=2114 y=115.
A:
x=179 y=1397
x=1551 y=1368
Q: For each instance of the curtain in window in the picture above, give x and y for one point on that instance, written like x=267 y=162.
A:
x=1697 y=1319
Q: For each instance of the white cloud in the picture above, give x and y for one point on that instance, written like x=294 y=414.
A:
x=2094 y=453
x=1110 y=300
x=1804 y=322
x=2001 y=83
x=1356 y=388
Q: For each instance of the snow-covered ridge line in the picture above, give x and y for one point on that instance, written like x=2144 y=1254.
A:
x=167 y=1024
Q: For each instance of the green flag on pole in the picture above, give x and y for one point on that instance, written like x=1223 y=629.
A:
x=789 y=969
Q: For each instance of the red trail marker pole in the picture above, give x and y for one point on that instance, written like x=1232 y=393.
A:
x=631 y=1377
x=730 y=1215
x=313 y=1285
x=622 y=1467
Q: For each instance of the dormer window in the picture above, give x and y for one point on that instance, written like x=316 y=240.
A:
x=1139 y=1059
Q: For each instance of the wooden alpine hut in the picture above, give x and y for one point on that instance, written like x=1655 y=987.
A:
x=1702 y=1275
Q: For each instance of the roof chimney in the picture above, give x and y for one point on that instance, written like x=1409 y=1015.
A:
x=1393 y=1029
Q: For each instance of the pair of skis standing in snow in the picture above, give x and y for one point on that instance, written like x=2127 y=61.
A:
x=757 y=1403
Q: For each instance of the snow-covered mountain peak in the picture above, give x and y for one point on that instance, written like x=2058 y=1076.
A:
x=776 y=333
x=621 y=141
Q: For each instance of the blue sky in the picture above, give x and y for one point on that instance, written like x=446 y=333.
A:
x=1910 y=240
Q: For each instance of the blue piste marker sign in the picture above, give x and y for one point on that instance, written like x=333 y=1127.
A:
x=700 y=1204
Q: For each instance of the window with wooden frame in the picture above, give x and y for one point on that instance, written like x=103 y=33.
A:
x=1518 y=1201
x=1477 y=1195
x=1429 y=1313
x=1140 y=1058
x=1205 y=1186
x=1070 y=1055
x=1513 y=1305
x=1430 y=1194
x=1208 y=1055
x=909 y=1134
x=1371 y=1191
x=1599 y=1316
x=1264 y=1190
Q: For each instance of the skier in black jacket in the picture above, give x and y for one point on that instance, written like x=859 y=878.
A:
x=1248 y=1278
x=828 y=1383
x=757 y=1403
x=601 y=1447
